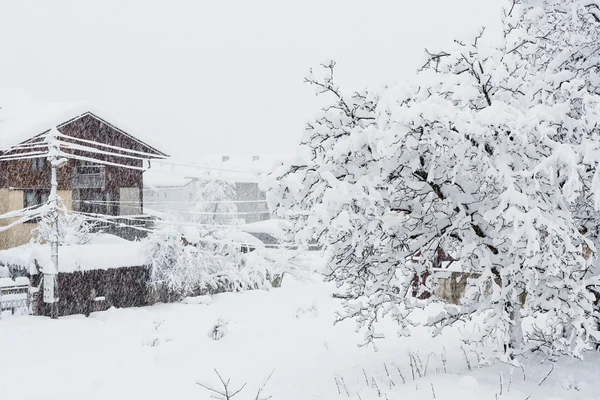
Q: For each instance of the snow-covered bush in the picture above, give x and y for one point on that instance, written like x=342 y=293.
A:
x=211 y=254
x=197 y=260
x=165 y=249
x=490 y=157
x=73 y=229
x=218 y=330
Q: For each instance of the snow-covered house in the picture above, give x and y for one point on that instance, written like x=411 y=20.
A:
x=172 y=187
x=91 y=181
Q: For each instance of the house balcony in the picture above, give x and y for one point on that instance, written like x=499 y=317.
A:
x=89 y=178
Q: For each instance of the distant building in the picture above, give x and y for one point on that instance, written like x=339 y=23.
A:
x=173 y=189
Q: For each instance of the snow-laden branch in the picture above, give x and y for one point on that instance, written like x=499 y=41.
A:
x=490 y=153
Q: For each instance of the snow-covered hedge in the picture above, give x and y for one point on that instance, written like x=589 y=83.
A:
x=205 y=259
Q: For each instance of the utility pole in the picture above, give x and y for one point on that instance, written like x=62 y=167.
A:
x=51 y=293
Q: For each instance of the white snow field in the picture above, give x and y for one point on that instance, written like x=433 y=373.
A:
x=160 y=352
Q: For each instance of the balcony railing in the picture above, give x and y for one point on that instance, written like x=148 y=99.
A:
x=89 y=178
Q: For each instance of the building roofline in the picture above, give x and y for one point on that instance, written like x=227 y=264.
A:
x=104 y=121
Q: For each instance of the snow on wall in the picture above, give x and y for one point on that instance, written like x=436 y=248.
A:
x=76 y=258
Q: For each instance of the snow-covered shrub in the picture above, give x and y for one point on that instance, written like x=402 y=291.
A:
x=73 y=229
x=209 y=260
x=301 y=311
x=210 y=254
x=165 y=249
x=275 y=263
x=218 y=330
x=488 y=157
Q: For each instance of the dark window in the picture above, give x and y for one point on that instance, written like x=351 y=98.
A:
x=35 y=197
x=38 y=164
x=89 y=168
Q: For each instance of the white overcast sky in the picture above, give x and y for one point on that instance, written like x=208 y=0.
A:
x=220 y=76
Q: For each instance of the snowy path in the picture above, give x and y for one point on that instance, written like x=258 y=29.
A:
x=161 y=352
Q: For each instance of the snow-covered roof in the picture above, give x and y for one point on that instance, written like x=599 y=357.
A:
x=235 y=169
x=242 y=237
x=254 y=162
x=156 y=180
x=234 y=235
x=22 y=117
x=77 y=257
x=274 y=227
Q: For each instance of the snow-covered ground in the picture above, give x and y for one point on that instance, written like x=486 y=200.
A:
x=161 y=352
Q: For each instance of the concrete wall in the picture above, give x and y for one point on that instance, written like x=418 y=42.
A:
x=13 y=200
x=451 y=286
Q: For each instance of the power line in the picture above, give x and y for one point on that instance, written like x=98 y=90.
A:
x=96 y=161
x=116 y=164
x=28 y=144
x=175 y=202
x=22 y=220
x=146 y=218
x=24 y=156
x=75 y=147
x=183 y=164
x=170 y=202
x=214 y=213
x=17 y=213
x=149 y=157
x=108 y=146
x=201 y=239
x=9 y=150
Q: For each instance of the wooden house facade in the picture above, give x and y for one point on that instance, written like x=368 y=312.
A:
x=92 y=182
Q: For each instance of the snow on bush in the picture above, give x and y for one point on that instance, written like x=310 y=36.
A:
x=73 y=229
x=165 y=250
x=206 y=255
x=490 y=156
x=218 y=330
x=302 y=311
x=204 y=259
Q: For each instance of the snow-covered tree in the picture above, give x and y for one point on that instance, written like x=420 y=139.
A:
x=215 y=203
x=489 y=157
x=165 y=249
